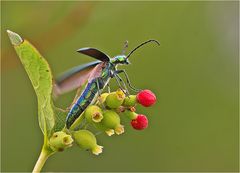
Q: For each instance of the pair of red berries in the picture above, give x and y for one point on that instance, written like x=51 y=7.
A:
x=146 y=98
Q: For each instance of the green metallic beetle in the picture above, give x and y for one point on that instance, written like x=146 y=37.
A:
x=96 y=75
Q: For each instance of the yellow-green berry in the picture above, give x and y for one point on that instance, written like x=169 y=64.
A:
x=111 y=120
x=103 y=97
x=102 y=127
x=60 y=140
x=86 y=140
x=115 y=99
x=130 y=101
x=129 y=114
x=93 y=113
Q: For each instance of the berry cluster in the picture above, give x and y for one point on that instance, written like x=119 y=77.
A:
x=105 y=116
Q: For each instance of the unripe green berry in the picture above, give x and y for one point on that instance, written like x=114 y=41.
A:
x=111 y=123
x=102 y=127
x=111 y=119
x=103 y=97
x=129 y=114
x=130 y=101
x=93 y=114
x=86 y=140
x=60 y=140
x=115 y=99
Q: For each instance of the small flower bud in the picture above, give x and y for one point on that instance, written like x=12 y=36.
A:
x=110 y=132
x=130 y=101
x=132 y=109
x=86 y=140
x=120 y=109
x=60 y=140
x=119 y=129
x=140 y=123
x=93 y=114
x=115 y=99
x=146 y=98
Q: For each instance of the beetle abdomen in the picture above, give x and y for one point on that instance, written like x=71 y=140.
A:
x=86 y=98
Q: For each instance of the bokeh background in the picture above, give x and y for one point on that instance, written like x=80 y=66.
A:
x=194 y=73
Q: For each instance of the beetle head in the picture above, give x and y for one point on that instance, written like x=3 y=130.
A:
x=120 y=59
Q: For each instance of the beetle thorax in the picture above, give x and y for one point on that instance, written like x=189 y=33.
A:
x=119 y=59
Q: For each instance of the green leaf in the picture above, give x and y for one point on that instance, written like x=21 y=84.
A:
x=41 y=77
x=60 y=116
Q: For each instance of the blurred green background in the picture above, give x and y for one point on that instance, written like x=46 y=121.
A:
x=194 y=73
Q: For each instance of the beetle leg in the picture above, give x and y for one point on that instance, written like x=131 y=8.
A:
x=82 y=125
x=108 y=87
x=125 y=87
x=86 y=126
x=116 y=77
x=99 y=94
x=98 y=133
x=128 y=80
x=63 y=110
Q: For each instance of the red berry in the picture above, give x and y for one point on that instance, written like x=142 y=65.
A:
x=140 y=123
x=146 y=98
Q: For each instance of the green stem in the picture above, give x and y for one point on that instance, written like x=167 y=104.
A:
x=45 y=153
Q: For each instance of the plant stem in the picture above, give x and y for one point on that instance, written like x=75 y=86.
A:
x=45 y=153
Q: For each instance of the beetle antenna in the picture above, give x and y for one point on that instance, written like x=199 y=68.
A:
x=141 y=46
x=125 y=46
